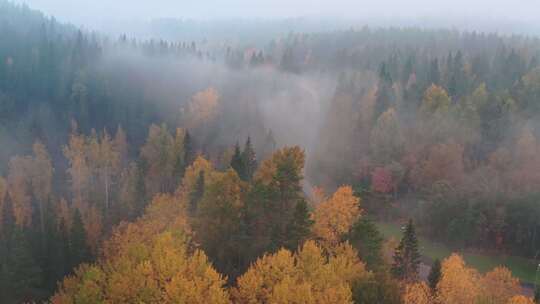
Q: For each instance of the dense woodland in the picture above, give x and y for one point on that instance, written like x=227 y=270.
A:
x=153 y=171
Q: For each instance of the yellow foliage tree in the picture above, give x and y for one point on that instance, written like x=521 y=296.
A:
x=458 y=284
x=417 y=293
x=160 y=270
x=309 y=276
x=335 y=217
x=499 y=286
x=202 y=108
x=520 y=300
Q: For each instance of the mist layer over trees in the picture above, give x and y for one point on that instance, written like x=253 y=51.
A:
x=218 y=171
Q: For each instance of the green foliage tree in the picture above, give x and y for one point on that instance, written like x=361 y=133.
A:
x=249 y=160
x=406 y=256
x=237 y=162
x=367 y=240
x=78 y=247
x=434 y=275
x=299 y=227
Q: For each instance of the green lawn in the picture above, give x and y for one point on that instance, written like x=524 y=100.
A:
x=523 y=269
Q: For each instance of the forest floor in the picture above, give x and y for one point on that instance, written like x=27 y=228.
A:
x=522 y=268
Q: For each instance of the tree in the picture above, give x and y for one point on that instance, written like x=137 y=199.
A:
x=458 y=284
x=237 y=163
x=24 y=273
x=41 y=179
x=381 y=180
x=299 y=228
x=368 y=241
x=520 y=300
x=218 y=218
x=308 y=276
x=385 y=92
x=435 y=100
x=499 y=286
x=434 y=275
x=406 y=256
x=197 y=193
x=161 y=270
x=417 y=293
x=386 y=142
x=19 y=187
x=334 y=218
x=78 y=246
x=249 y=160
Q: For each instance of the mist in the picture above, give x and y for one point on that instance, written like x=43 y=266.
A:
x=122 y=16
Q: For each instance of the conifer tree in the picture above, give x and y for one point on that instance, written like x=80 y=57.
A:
x=249 y=161
x=237 y=162
x=197 y=193
x=406 y=256
x=434 y=275
x=299 y=228
x=24 y=274
x=78 y=247
x=189 y=150
x=367 y=240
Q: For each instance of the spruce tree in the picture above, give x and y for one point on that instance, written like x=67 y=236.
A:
x=406 y=256
x=237 y=162
x=368 y=241
x=197 y=193
x=78 y=249
x=299 y=227
x=189 y=150
x=24 y=273
x=434 y=275
x=249 y=160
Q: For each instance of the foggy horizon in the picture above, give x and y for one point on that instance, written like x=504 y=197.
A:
x=122 y=16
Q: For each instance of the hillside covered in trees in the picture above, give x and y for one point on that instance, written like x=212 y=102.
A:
x=238 y=171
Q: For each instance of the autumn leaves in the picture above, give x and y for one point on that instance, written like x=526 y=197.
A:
x=158 y=258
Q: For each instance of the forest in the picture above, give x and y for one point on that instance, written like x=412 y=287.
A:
x=137 y=170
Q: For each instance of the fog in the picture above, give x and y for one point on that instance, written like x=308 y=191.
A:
x=123 y=15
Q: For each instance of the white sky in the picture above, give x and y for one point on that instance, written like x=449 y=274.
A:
x=92 y=12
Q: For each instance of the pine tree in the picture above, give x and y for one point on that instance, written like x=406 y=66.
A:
x=237 y=162
x=299 y=227
x=189 y=150
x=434 y=275
x=24 y=274
x=406 y=256
x=434 y=74
x=385 y=92
x=367 y=240
x=197 y=193
x=78 y=248
x=249 y=160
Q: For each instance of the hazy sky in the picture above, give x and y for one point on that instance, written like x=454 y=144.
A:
x=92 y=12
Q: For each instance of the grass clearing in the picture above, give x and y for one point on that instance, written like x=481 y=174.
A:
x=522 y=268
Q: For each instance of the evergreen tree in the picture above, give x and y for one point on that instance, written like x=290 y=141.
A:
x=78 y=248
x=434 y=74
x=299 y=227
x=189 y=150
x=237 y=162
x=197 y=193
x=249 y=160
x=434 y=275
x=406 y=256
x=385 y=92
x=24 y=273
x=367 y=240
